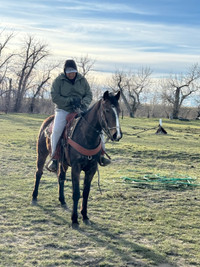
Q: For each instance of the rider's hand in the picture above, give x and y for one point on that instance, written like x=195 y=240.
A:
x=83 y=107
x=76 y=102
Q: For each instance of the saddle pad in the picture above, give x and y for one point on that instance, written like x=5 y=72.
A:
x=69 y=119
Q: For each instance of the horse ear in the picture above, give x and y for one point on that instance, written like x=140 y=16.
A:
x=117 y=96
x=106 y=95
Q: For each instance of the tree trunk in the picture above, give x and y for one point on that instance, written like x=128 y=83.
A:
x=176 y=106
x=133 y=111
x=32 y=105
x=131 y=114
x=18 y=102
x=7 y=106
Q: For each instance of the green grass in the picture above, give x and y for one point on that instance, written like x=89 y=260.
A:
x=138 y=222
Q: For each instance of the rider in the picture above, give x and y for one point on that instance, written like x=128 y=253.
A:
x=69 y=89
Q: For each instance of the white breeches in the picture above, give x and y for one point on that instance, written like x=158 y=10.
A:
x=58 y=127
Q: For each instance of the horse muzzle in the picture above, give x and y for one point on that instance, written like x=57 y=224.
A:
x=117 y=135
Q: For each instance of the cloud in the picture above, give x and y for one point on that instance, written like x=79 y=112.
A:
x=107 y=32
x=105 y=7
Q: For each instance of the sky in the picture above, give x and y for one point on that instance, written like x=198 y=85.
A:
x=119 y=35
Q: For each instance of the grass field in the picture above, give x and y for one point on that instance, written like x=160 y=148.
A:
x=147 y=214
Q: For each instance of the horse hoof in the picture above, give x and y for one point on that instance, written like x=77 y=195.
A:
x=64 y=206
x=34 y=202
x=75 y=226
x=87 y=222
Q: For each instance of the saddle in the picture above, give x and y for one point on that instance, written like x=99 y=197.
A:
x=71 y=122
x=66 y=139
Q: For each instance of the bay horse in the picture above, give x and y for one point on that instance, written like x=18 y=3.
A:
x=103 y=116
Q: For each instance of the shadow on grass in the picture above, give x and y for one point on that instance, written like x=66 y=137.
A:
x=119 y=246
x=58 y=220
x=122 y=244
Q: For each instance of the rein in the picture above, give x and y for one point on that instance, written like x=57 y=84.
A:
x=104 y=127
x=99 y=132
x=82 y=150
x=103 y=122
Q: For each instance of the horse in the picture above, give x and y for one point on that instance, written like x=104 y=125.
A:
x=103 y=116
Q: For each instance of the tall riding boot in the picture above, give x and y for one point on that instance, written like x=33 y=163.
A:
x=103 y=161
x=53 y=165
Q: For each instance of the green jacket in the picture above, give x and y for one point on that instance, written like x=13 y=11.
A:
x=63 y=91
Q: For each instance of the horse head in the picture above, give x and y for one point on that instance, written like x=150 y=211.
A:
x=110 y=116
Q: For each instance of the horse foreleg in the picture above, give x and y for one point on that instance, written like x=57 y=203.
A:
x=76 y=193
x=86 y=190
x=61 y=181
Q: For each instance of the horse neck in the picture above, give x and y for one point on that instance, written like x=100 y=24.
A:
x=93 y=117
x=89 y=128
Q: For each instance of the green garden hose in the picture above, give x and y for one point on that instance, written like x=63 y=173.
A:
x=162 y=180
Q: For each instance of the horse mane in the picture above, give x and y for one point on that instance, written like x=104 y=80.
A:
x=112 y=100
x=84 y=113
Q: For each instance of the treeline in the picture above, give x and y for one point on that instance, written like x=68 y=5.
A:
x=26 y=75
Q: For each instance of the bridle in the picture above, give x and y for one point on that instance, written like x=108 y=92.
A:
x=103 y=122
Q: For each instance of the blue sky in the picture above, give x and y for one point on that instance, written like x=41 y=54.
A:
x=161 y=34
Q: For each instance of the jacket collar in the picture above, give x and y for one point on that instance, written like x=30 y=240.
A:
x=64 y=77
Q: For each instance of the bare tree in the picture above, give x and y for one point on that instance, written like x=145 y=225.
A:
x=131 y=86
x=139 y=82
x=177 y=88
x=39 y=87
x=32 y=53
x=119 y=82
x=197 y=100
x=4 y=59
x=85 y=64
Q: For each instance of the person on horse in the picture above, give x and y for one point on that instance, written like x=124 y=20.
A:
x=70 y=89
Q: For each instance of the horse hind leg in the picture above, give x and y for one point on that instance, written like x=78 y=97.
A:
x=41 y=158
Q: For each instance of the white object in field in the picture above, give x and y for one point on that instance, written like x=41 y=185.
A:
x=160 y=122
